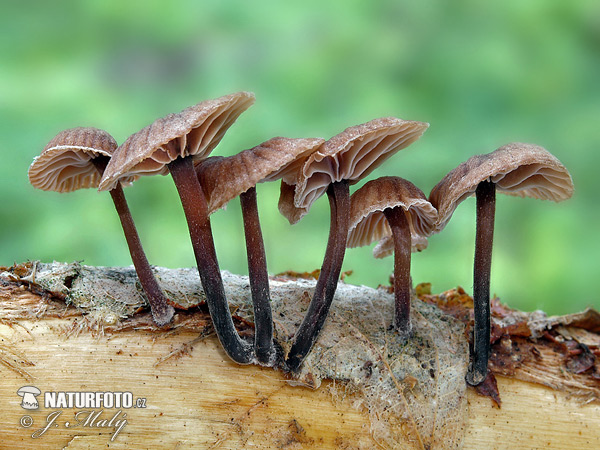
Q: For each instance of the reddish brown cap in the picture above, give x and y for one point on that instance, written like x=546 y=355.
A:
x=385 y=247
x=286 y=203
x=65 y=163
x=367 y=221
x=195 y=131
x=351 y=155
x=523 y=170
x=223 y=179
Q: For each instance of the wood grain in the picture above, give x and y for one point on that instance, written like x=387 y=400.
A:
x=192 y=396
x=196 y=398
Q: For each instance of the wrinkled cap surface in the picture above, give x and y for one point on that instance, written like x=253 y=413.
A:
x=351 y=155
x=367 y=222
x=195 y=132
x=65 y=163
x=385 y=247
x=523 y=170
x=223 y=179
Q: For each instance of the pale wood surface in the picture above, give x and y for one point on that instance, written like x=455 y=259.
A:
x=198 y=399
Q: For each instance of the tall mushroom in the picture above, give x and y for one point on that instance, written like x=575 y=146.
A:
x=342 y=160
x=393 y=206
x=174 y=144
x=76 y=159
x=522 y=170
x=223 y=179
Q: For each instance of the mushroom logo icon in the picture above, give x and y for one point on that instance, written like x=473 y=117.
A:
x=29 y=394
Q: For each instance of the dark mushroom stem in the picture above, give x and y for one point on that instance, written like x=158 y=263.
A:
x=339 y=202
x=196 y=214
x=398 y=222
x=486 y=207
x=162 y=312
x=259 y=278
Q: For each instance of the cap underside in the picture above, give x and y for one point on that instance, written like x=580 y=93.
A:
x=223 y=179
x=522 y=170
x=367 y=220
x=351 y=155
x=194 y=132
x=385 y=247
x=65 y=163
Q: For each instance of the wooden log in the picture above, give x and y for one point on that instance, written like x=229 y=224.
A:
x=187 y=394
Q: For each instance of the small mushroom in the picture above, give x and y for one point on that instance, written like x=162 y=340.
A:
x=223 y=179
x=174 y=144
x=385 y=247
x=343 y=160
x=522 y=170
x=29 y=394
x=394 y=207
x=76 y=159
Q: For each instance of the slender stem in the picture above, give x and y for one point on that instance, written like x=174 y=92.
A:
x=339 y=202
x=259 y=279
x=196 y=214
x=162 y=312
x=398 y=222
x=486 y=208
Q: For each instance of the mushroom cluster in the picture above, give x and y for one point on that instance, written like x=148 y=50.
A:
x=390 y=210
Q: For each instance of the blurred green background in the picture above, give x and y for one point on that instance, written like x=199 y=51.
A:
x=481 y=73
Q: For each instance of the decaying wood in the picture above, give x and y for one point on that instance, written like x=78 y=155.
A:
x=72 y=328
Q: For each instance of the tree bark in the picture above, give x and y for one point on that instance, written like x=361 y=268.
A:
x=190 y=395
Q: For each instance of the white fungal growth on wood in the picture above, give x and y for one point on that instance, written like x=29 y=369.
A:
x=414 y=391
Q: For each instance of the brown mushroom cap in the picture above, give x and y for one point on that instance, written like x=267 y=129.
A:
x=367 y=221
x=523 y=170
x=351 y=155
x=195 y=131
x=65 y=163
x=223 y=179
x=385 y=247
